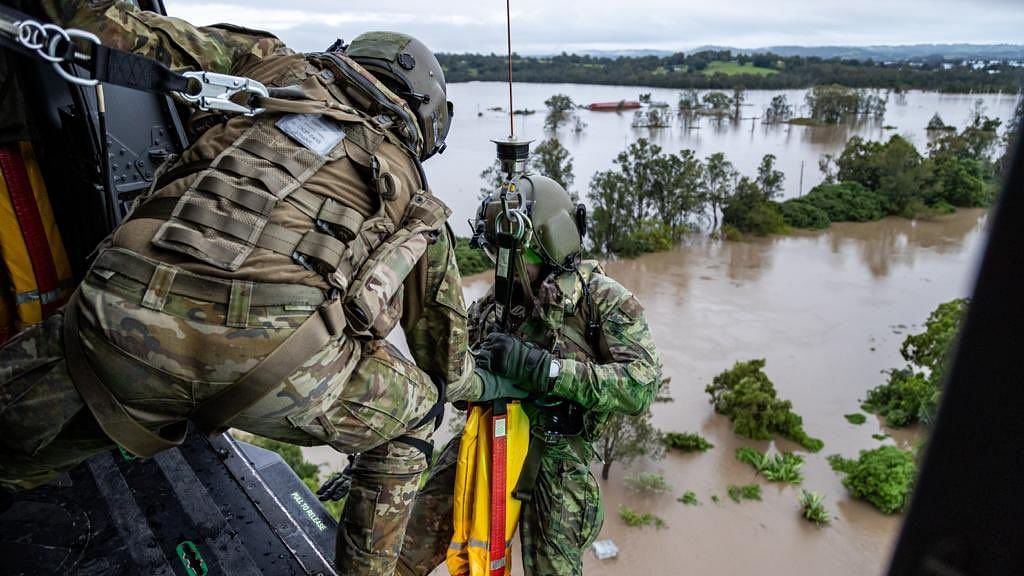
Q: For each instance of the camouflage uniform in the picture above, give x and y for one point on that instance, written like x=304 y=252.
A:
x=621 y=375
x=162 y=352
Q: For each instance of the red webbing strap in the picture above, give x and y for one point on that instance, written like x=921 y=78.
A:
x=12 y=164
x=499 y=477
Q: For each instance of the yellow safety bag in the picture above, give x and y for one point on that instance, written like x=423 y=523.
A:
x=469 y=551
x=35 y=277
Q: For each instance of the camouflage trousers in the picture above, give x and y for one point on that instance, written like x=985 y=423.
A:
x=161 y=364
x=561 y=521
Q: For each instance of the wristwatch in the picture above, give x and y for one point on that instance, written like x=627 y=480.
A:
x=555 y=369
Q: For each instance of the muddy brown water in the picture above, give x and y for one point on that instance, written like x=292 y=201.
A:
x=828 y=311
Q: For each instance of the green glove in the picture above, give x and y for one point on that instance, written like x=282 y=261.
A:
x=521 y=361
x=494 y=387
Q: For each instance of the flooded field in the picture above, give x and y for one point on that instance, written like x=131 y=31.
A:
x=827 y=310
x=455 y=175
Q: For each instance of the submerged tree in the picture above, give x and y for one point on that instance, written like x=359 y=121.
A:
x=769 y=180
x=718 y=184
x=779 y=110
x=559 y=111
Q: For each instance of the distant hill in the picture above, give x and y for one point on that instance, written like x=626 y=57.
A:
x=905 y=52
x=882 y=52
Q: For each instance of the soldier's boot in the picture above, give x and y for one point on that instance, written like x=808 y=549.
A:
x=431 y=524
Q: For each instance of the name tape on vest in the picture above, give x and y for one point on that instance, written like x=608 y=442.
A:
x=313 y=131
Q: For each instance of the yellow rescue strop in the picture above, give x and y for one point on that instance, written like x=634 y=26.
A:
x=35 y=277
x=469 y=553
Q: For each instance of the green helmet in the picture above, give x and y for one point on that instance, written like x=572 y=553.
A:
x=556 y=225
x=410 y=69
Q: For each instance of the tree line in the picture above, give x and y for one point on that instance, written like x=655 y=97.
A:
x=767 y=72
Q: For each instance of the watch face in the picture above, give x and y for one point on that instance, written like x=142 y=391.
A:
x=555 y=369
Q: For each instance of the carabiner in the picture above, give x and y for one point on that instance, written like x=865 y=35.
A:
x=216 y=90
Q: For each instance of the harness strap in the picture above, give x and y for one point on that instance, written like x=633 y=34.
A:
x=203 y=288
x=245 y=198
x=324 y=248
x=531 y=466
x=111 y=415
x=323 y=326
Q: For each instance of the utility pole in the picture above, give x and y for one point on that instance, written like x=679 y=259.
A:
x=801 y=178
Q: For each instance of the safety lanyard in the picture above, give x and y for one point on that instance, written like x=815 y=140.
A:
x=63 y=49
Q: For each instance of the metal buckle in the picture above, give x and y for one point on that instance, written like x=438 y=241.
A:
x=216 y=91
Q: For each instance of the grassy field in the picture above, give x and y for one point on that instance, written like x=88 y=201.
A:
x=735 y=69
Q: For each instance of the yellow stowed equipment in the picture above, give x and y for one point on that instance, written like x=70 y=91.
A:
x=469 y=553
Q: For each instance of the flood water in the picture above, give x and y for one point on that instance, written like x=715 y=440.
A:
x=827 y=310
x=454 y=175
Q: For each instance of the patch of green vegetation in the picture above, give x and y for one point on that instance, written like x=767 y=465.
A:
x=880 y=437
x=647 y=483
x=856 y=419
x=804 y=122
x=689 y=498
x=635 y=519
x=746 y=395
x=799 y=214
x=912 y=393
x=785 y=467
x=812 y=508
x=687 y=442
x=308 y=472
x=747 y=492
x=883 y=476
x=845 y=202
x=736 y=69
x=470 y=260
x=716 y=499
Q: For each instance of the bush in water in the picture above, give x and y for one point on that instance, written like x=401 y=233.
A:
x=883 y=476
x=746 y=395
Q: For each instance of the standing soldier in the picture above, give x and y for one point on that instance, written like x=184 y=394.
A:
x=581 y=349
x=253 y=286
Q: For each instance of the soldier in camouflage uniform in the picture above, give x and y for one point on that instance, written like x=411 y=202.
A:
x=263 y=256
x=581 y=348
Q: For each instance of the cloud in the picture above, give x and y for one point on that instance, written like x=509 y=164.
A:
x=573 y=25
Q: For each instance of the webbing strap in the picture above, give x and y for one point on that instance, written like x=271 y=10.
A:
x=322 y=247
x=181 y=171
x=111 y=415
x=499 y=478
x=261 y=204
x=216 y=221
x=324 y=325
x=114 y=66
x=531 y=466
x=261 y=150
x=195 y=240
x=203 y=288
x=344 y=221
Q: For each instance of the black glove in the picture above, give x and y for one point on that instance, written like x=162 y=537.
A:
x=494 y=387
x=521 y=361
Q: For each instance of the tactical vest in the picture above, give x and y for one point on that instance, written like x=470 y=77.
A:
x=257 y=194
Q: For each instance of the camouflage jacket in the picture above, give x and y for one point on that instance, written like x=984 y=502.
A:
x=620 y=372
x=433 y=315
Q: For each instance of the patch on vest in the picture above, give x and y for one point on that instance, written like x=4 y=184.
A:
x=313 y=131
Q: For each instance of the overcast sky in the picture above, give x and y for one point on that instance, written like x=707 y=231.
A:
x=552 y=26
